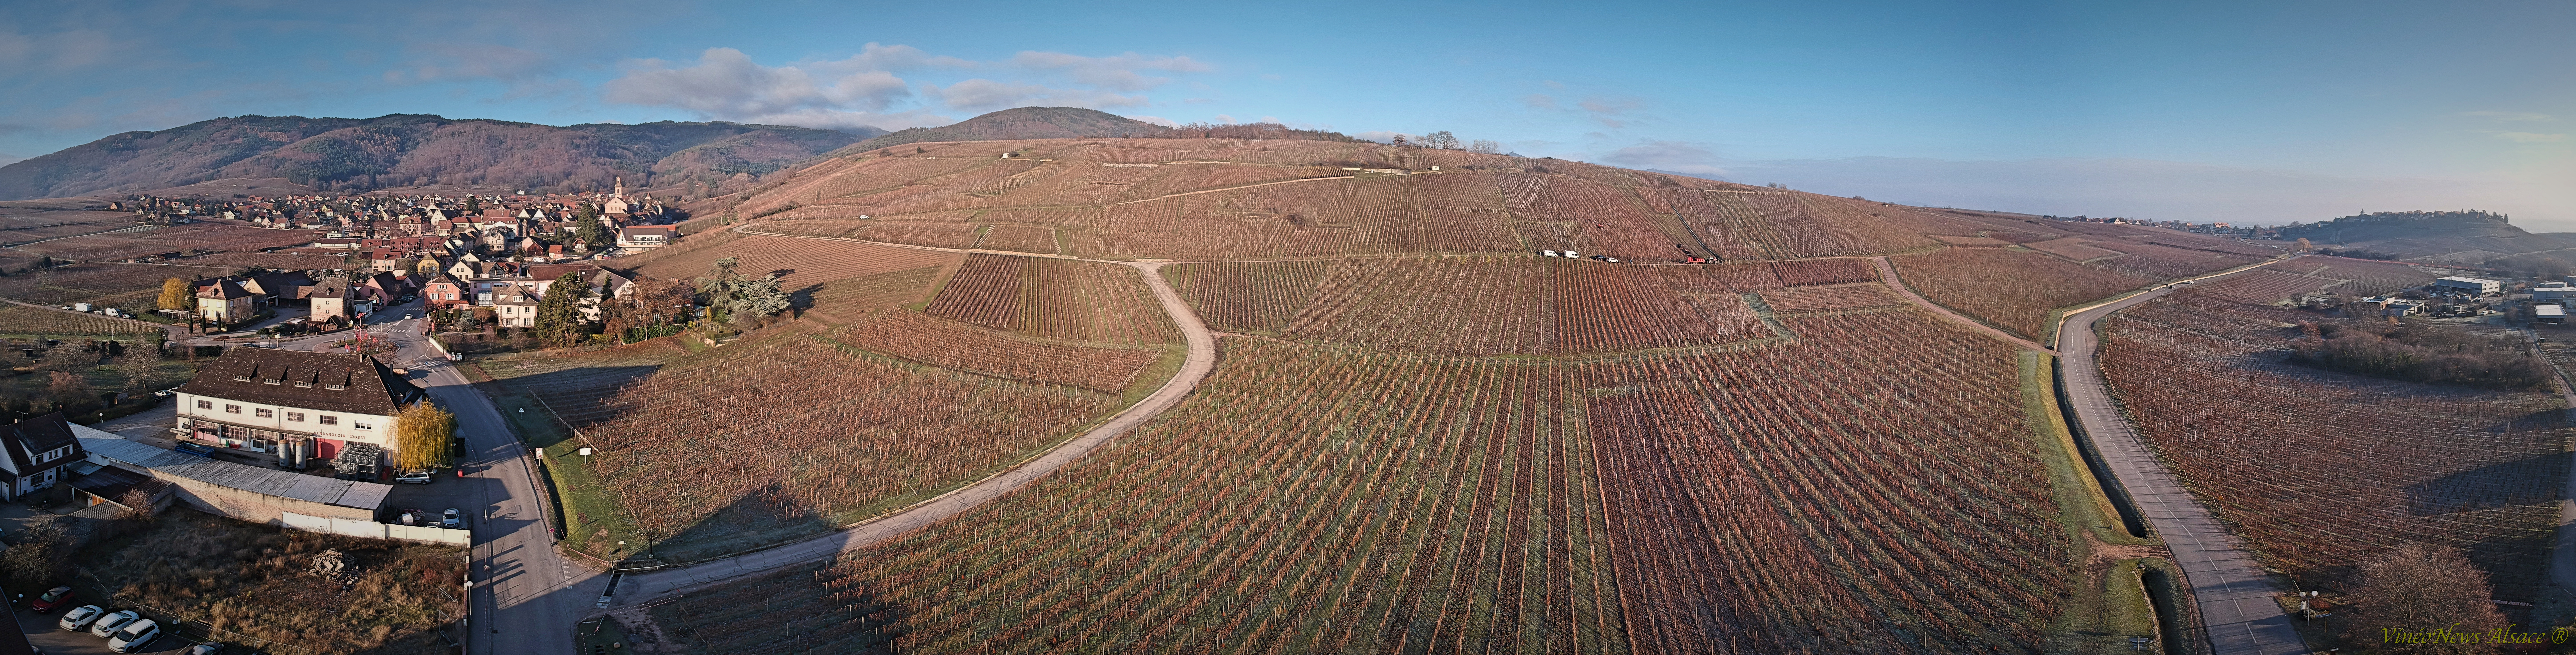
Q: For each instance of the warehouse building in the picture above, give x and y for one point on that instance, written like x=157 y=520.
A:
x=2468 y=285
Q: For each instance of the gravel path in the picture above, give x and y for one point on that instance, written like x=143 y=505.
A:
x=1201 y=360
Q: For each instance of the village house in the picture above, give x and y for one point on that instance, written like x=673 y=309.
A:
x=646 y=236
x=262 y=400
x=224 y=302
x=516 y=305
x=37 y=452
x=443 y=292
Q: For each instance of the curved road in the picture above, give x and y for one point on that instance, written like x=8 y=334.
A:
x=2234 y=593
x=1199 y=362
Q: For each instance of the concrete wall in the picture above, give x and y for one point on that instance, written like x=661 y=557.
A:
x=373 y=530
x=253 y=506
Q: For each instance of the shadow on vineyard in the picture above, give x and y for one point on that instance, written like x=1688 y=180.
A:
x=766 y=517
x=2525 y=481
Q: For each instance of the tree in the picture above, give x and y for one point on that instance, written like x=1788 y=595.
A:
x=2304 y=246
x=473 y=205
x=2416 y=588
x=761 y=298
x=1441 y=139
x=1486 y=146
x=421 y=435
x=559 y=313
x=175 y=294
x=42 y=556
x=137 y=368
x=591 y=232
x=70 y=390
x=719 y=285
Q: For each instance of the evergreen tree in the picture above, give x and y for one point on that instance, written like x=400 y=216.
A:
x=559 y=313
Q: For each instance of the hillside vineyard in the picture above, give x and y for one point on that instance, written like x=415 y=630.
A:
x=1418 y=433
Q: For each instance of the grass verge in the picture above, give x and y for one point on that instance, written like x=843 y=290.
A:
x=2110 y=607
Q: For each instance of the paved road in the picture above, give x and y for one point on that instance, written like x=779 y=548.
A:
x=2234 y=593
x=526 y=596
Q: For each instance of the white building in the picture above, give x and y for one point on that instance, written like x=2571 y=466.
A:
x=265 y=400
x=2468 y=285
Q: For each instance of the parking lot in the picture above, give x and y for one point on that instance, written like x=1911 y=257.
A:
x=43 y=631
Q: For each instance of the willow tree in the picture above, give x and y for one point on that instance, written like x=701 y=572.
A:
x=421 y=435
x=176 y=295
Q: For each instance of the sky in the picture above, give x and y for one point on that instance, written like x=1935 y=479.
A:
x=2243 y=112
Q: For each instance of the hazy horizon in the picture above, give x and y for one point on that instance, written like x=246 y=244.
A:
x=2202 y=112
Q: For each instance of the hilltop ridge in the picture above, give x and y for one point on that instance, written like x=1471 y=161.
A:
x=409 y=150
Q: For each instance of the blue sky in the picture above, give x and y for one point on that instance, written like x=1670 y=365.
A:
x=2216 y=111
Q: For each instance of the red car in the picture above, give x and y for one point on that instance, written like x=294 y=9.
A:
x=53 y=599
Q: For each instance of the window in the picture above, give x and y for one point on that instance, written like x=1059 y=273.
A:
x=361 y=426
x=205 y=404
x=295 y=416
x=232 y=409
x=330 y=420
x=263 y=413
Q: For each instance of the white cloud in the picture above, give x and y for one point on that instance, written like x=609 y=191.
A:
x=865 y=89
x=983 y=94
x=60 y=52
x=1380 y=136
x=1157 y=120
x=2531 y=137
x=1223 y=119
x=1540 y=100
x=2508 y=115
x=1118 y=73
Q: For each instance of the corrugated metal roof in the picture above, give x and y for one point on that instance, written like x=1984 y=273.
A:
x=345 y=493
x=2549 y=310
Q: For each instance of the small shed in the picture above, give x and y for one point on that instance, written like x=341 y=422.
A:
x=2549 y=313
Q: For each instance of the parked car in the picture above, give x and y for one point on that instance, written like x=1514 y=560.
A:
x=134 y=636
x=452 y=519
x=1550 y=253
x=107 y=625
x=53 y=599
x=416 y=477
x=1571 y=254
x=80 y=617
x=208 y=648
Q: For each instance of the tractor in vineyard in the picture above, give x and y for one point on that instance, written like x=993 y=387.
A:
x=1687 y=257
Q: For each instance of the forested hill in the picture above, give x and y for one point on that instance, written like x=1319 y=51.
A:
x=1075 y=123
x=2466 y=236
x=400 y=150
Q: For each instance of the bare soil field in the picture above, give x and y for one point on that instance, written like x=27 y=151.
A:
x=145 y=240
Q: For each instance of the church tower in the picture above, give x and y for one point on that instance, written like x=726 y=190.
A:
x=616 y=199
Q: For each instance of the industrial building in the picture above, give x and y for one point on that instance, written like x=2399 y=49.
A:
x=2467 y=285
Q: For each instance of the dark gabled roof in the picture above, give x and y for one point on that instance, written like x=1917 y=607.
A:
x=25 y=438
x=225 y=289
x=304 y=379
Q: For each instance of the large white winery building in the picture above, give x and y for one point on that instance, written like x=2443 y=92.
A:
x=296 y=406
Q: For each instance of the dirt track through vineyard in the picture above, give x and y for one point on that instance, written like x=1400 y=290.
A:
x=1200 y=362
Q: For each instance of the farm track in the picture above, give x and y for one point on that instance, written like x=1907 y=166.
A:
x=2234 y=595
x=1201 y=360
x=2233 y=592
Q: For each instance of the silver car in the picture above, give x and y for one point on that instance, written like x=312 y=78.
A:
x=80 y=617
x=107 y=625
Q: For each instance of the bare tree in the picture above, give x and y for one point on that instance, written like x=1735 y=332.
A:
x=1441 y=139
x=2413 y=589
x=1485 y=146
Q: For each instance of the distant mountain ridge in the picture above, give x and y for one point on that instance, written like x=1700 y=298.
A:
x=2457 y=237
x=402 y=150
x=1075 y=123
